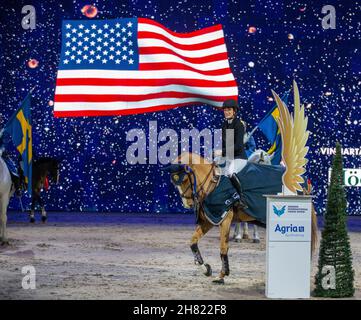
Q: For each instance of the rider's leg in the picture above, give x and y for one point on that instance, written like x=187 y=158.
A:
x=234 y=166
x=237 y=185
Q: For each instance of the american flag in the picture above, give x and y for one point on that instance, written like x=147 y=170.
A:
x=136 y=65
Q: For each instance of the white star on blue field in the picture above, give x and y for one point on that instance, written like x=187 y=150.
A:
x=109 y=44
x=269 y=44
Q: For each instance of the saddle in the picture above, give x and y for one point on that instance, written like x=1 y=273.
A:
x=11 y=166
x=17 y=177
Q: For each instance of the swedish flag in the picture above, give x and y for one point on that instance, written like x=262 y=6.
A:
x=19 y=128
x=269 y=127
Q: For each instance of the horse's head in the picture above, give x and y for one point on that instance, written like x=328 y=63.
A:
x=181 y=175
x=50 y=165
x=189 y=172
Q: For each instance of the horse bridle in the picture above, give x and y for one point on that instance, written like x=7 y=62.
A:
x=188 y=171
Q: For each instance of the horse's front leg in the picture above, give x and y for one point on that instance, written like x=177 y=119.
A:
x=245 y=232
x=237 y=232
x=200 y=231
x=255 y=234
x=224 y=237
x=32 y=211
x=43 y=212
x=4 y=201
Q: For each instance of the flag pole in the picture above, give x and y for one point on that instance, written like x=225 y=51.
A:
x=21 y=204
x=251 y=133
x=284 y=97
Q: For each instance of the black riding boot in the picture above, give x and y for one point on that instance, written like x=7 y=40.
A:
x=237 y=185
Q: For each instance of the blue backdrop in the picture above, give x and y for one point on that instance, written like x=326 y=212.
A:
x=289 y=43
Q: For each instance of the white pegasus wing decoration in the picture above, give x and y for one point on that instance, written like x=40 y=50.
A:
x=294 y=138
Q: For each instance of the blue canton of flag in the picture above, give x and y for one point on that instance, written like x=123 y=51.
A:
x=20 y=130
x=101 y=44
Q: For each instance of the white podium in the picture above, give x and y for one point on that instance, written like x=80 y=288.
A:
x=288 y=246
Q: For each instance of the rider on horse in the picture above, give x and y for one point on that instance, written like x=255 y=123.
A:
x=233 y=149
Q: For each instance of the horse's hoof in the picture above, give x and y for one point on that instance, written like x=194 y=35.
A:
x=245 y=237
x=208 y=272
x=32 y=220
x=44 y=218
x=218 y=281
x=256 y=241
x=237 y=240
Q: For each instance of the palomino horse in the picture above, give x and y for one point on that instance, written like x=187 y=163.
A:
x=6 y=191
x=193 y=168
x=42 y=168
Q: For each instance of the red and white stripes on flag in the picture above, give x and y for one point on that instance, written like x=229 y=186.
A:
x=102 y=72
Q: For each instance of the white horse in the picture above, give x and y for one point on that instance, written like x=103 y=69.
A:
x=6 y=191
x=259 y=156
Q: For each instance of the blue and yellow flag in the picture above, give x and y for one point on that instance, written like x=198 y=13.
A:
x=19 y=128
x=269 y=127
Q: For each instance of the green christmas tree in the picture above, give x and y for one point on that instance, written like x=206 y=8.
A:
x=335 y=257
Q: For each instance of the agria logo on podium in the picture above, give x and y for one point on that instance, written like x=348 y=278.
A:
x=285 y=212
x=290 y=230
x=286 y=209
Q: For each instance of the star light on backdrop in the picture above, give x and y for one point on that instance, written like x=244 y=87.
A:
x=95 y=174
x=89 y=11
x=33 y=63
x=252 y=30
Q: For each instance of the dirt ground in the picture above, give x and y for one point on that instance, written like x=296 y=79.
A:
x=132 y=261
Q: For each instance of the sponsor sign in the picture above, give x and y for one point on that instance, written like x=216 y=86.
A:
x=288 y=249
x=289 y=221
x=351 y=177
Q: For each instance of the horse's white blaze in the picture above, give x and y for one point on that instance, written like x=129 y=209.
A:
x=184 y=200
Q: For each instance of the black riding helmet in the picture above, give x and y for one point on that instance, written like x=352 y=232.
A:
x=230 y=103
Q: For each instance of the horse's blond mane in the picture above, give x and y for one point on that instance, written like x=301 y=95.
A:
x=190 y=158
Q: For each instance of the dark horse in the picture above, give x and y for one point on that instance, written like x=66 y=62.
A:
x=43 y=168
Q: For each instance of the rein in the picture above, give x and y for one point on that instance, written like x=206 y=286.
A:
x=195 y=194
